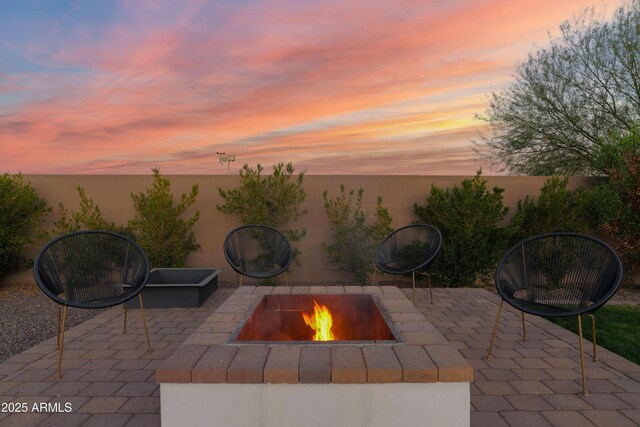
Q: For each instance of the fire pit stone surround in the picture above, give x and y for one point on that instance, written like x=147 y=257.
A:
x=210 y=357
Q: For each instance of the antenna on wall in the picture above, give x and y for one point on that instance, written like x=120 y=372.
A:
x=226 y=158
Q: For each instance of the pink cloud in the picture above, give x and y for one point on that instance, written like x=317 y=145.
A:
x=170 y=84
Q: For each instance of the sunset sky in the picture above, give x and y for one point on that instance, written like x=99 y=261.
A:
x=334 y=86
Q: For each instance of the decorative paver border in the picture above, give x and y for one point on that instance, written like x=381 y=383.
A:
x=207 y=356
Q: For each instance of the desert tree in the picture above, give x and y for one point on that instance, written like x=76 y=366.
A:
x=569 y=99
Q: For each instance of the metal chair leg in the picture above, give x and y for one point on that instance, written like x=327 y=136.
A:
x=240 y=280
x=61 y=339
x=593 y=335
x=58 y=335
x=413 y=275
x=524 y=330
x=144 y=322
x=430 y=291
x=124 y=327
x=286 y=279
x=585 y=391
x=495 y=328
x=373 y=282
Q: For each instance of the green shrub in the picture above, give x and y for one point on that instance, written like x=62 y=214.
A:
x=22 y=213
x=467 y=216
x=602 y=205
x=158 y=225
x=557 y=209
x=613 y=157
x=272 y=200
x=353 y=242
x=614 y=206
x=89 y=217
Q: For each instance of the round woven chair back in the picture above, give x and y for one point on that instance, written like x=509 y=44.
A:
x=559 y=274
x=91 y=269
x=257 y=251
x=408 y=249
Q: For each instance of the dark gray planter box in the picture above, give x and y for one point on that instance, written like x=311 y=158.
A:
x=178 y=287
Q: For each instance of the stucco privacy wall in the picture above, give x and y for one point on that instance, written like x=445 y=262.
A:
x=113 y=194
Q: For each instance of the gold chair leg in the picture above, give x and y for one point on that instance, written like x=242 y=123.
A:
x=495 y=328
x=286 y=279
x=58 y=335
x=593 y=335
x=584 y=377
x=144 y=322
x=524 y=330
x=430 y=291
x=373 y=282
x=124 y=327
x=413 y=275
x=61 y=339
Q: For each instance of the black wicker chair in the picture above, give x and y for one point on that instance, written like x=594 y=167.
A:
x=258 y=251
x=91 y=269
x=409 y=249
x=558 y=275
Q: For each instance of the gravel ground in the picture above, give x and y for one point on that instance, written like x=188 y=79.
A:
x=28 y=317
x=627 y=296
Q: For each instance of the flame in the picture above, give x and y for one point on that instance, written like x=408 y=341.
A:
x=320 y=321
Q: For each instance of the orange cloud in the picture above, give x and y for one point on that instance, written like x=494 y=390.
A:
x=336 y=87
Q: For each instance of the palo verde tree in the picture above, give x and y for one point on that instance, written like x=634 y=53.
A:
x=570 y=98
x=274 y=200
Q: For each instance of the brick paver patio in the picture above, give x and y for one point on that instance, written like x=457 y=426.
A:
x=534 y=382
x=109 y=378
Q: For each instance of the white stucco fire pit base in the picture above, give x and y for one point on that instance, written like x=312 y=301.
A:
x=232 y=372
x=311 y=405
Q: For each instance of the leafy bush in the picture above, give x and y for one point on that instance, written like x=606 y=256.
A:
x=22 y=213
x=88 y=218
x=602 y=205
x=467 y=216
x=556 y=209
x=272 y=200
x=615 y=206
x=158 y=225
x=353 y=242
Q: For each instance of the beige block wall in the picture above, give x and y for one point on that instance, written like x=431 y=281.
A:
x=113 y=194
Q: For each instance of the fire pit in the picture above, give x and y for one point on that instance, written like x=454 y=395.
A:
x=351 y=356
x=315 y=318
